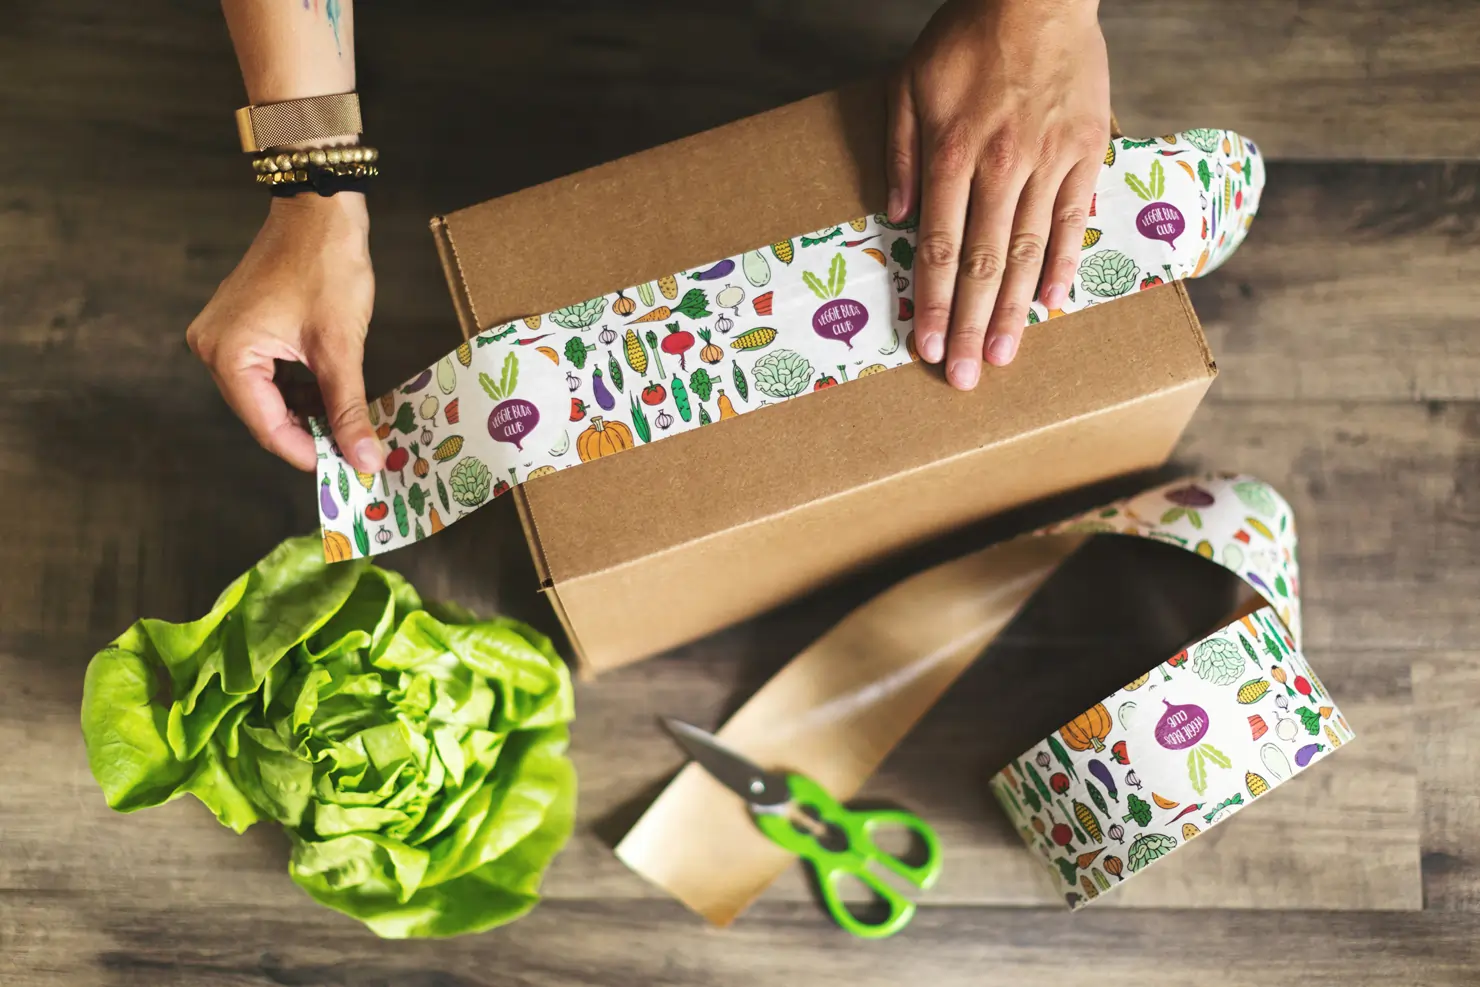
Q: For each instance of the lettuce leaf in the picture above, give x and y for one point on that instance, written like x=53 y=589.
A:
x=414 y=754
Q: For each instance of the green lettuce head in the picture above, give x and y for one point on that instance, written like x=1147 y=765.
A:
x=415 y=755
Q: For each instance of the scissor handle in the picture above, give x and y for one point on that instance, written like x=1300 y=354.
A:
x=854 y=859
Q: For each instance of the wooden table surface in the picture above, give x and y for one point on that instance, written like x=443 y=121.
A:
x=1347 y=337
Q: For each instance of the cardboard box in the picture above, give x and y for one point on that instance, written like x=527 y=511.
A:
x=713 y=527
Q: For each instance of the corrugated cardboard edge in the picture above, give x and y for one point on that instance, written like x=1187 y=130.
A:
x=462 y=301
x=584 y=667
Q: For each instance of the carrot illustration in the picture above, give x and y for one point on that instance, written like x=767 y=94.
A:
x=694 y=305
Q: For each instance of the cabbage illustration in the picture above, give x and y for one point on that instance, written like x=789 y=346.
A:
x=1108 y=273
x=580 y=315
x=1149 y=847
x=1218 y=662
x=1203 y=139
x=782 y=373
x=469 y=482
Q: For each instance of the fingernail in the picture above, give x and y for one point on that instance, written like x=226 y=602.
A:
x=1000 y=350
x=367 y=451
x=932 y=348
x=896 y=203
x=963 y=373
x=1055 y=295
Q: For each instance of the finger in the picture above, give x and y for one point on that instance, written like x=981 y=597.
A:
x=337 y=360
x=1066 y=240
x=944 y=197
x=1025 y=252
x=983 y=261
x=250 y=392
x=903 y=150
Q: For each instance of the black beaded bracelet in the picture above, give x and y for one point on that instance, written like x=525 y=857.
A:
x=326 y=181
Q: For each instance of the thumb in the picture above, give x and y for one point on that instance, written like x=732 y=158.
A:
x=338 y=360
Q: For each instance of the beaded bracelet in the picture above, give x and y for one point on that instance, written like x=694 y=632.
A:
x=287 y=161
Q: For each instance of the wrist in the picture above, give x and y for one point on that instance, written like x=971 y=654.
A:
x=344 y=210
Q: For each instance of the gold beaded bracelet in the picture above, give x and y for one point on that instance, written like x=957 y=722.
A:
x=288 y=162
x=300 y=175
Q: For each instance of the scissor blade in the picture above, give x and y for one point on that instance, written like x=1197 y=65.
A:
x=747 y=780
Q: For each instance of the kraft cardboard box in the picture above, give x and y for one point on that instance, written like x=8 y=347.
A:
x=715 y=526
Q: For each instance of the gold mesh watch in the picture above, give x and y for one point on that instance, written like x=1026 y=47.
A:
x=298 y=121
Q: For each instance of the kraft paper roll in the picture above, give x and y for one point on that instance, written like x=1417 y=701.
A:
x=600 y=376
x=1121 y=785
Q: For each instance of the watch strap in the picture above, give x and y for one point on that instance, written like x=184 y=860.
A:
x=298 y=121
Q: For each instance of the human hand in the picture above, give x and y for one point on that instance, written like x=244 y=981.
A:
x=303 y=293
x=998 y=125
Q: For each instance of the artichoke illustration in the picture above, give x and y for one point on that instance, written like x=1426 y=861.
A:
x=469 y=481
x=1108 y=273
x=782 y=373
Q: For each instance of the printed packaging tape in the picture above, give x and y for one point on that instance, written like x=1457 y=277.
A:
x=1175 y=752
x=600 y=376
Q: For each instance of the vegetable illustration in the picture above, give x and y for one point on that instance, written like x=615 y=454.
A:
x=654 y=394
x=1252 y=691
x=781 y=373
x=1275 y=762
x=694 y=305
x=576 y=350
x=450 y=412
x=1113 y=866
x=757 y=271
x=710 y=353
x=1278 y=673
x=511 y=419
x=602 y=438
x=1148 y=847
x=530 y=322
x=539 y=471
x=1042 y=759
x=702 y=383
x=1119 y=753
x=469 y=481
x=1105 y=777
x=1067 y=868
x=446 y=377
x=664 y=419
x=1091 y=237
x=754 y=339
x=581 y=315
x=1187 y=811
x=448 y=448
x=640 y=421
x=417 y=498
x=549 y=353
x=1137 y=682
x=1088 y=729
x=1062 y=756
x=762 y=304
x=465 y=354
x=1108 y=274
x=1086 y=859
x=902 y=252
x=405 y=419
x=1059 y=782
x=362 y=539
x=838 y=318
x=652 y=342
x=730 y=297
x=681 y=399
x=336 y=547
x=1257 y=727
x=397 y=458
x=704 y=418
x=1224 y=808
x=1256 y=785
x=622 y=305
x=741 y=386
x=1087 y=819
x=442 y=494
x=615 y=369
x=633 y=352
x=435 y=520
x=561 y=446
x=420 y=381
x=1162 y=803
x=645 y=293
x=604 y=396
x=1189 y=830
x=677 y=343
x=1244 y=642
x=1203 y=139
x=668 y=285
x=420 y=467
x=719 y=270
x=1126 y=713
x=577 y=409
x=874 y=254
x=1063 y=836
x=1089 y=886
x=1307 y=753
x=327 y=505
x=1140 y=810
x=1310 y=719
x=1038 y=784
x=783 y=251
x=1116 y=833
x=1331 y=736
x=726 y=407
x=403 y=525
x=824 y=382
x=724 y=323
x=1218 y=662
x=1097 y=798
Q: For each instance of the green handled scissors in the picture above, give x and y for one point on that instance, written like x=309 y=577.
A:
x=798 y=815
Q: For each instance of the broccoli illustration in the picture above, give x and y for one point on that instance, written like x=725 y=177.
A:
x=1140 y=811
x=576 y=350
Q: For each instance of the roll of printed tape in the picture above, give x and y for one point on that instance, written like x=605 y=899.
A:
x=1201 y=736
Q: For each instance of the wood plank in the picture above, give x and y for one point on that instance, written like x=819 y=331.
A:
x=71 y=939
x=1446 y=693
x=1356 y=283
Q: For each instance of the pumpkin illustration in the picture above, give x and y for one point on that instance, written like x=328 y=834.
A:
x=1088 y=729
x=336 y=547
x=603 y=438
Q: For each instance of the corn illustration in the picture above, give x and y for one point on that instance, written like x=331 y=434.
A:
x=668 y=285
x=1110 y=154
x=754 y=339
x=859 y=225
x=783 y=250
x=367 y=480
x=637 y=357
x=1257 y=786
x=465 y=354
x=1087 y=820
x=1252 y=691
x=1091 y=237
